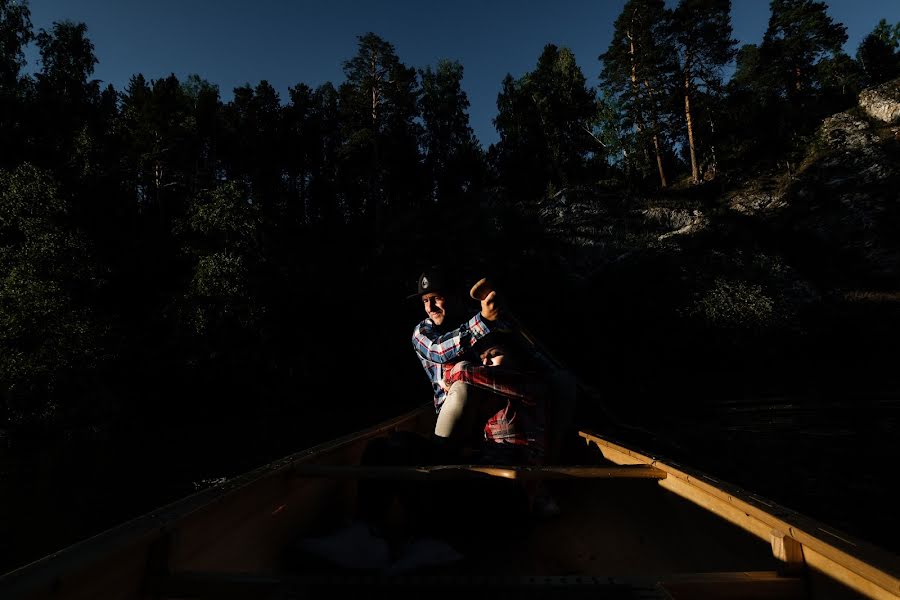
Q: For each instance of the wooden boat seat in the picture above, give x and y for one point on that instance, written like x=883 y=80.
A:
x=436 y=472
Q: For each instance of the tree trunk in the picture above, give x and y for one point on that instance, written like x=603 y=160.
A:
x=374 y=66
x=636 y=90
x=375 y=202
x=695 y=170
x=659 y=164
x=656 y=148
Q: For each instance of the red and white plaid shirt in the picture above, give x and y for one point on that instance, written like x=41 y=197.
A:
x=522 y=421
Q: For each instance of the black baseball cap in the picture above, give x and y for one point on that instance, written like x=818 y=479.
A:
x=433 y=279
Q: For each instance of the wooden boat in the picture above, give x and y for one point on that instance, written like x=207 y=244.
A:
x=631 y=525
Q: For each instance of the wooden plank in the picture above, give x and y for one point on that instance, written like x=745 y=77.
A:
x=760 y=585
x=855 y=563
x=788 y=552
x=214 y=585
x=467 y=471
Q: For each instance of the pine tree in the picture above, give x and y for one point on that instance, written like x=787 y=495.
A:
x=379 y=110
x=704 y=36
x=800 y=33
x=452 y=154
x=256 y=143
x=638 y=68
x=66 y=98
x=159 y=124
x=15 y=34
x=325 y=159
x=878 y=54
x=545 y=120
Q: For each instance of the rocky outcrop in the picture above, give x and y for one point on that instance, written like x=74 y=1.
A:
x=846 y=194
x=852 y=153
x=882 y=102
x=679 y=221
x=755 y=202
x=837 y=212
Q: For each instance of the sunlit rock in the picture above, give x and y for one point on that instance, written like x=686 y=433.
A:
x=882 y=102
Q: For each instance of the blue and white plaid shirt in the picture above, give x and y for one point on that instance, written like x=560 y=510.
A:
x=436 y=347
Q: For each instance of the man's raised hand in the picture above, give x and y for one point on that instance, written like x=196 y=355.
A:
x=490 y=307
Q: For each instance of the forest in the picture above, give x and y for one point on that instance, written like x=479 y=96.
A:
x=190 y=286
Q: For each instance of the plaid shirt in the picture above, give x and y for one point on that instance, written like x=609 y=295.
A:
x=521 y=421
x=436 y=348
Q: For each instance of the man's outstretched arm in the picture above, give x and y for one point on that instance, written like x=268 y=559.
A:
x=448 y=347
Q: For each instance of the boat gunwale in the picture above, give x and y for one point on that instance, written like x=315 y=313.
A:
x=877 y=566
x=149 y=527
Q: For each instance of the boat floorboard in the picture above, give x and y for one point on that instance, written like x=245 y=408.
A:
x=201 y=585
x=624 y=528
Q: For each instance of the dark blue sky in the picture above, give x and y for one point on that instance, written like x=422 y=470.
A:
x=233 y=42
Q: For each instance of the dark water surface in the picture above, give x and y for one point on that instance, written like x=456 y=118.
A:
x=833 y=461
x=57 y=494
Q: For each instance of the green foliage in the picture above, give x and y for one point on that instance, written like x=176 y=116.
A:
x=612 y=131
x=224 y=244
x=312 y=125
x=226 y=218
x=735 y=304
x=878 y=53
x=66 y=99
x=703 y=33
x=67 y=58
x=799 y=35
x=15 y=34
x=545 y=120
x=159 y=121
x=639 y=71
x=452 y=154
x=45 y=332
x=379 y=111
x=790 y=82
x=256 y=140
x=840 y=80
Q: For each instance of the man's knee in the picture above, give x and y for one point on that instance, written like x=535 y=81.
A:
x=453 y=410
x=457 y=395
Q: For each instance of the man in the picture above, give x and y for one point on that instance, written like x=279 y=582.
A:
x=439 y=341
x=502 y=401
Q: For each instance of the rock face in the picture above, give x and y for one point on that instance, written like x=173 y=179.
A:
x=678 y=221
x=756 y=202
x=882 y=102
x=847 y=195
x=853 y=153
x=836 y=214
